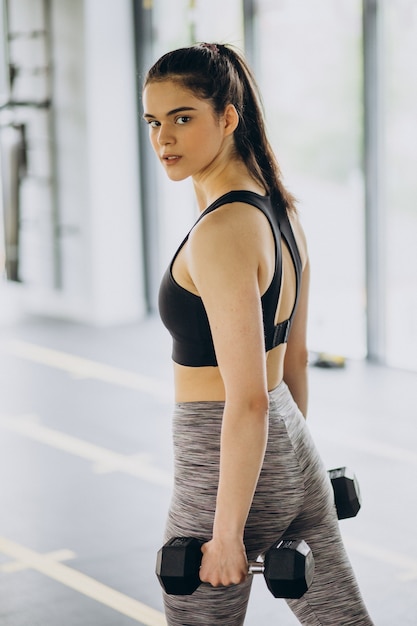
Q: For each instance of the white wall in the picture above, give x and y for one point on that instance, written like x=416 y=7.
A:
x=112 y=156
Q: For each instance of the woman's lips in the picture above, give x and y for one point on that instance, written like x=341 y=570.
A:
x=170 y=159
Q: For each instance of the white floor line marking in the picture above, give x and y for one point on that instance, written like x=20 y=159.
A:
x=406 y=564
x=18 y=566
x=104 y=460
x=83 y=584
x=80 y=367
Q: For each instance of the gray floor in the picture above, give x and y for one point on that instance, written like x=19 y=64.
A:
x=85 y=461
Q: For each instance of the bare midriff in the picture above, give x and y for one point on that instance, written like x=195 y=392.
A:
x=200 y=384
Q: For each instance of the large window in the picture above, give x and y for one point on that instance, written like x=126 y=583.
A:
x=399 y=54
x=309 y=69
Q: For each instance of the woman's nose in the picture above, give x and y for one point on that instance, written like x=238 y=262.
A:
x=165 y=136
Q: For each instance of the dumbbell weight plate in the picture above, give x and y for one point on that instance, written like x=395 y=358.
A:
x=346 y=492
x=289 y=568
x=178 y=564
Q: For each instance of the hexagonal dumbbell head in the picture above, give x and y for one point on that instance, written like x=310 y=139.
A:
x=289 y=568
x=347 y=495
x=178 y=564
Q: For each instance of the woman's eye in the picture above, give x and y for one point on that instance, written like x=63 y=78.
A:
x=183 y=119
x=153 y=123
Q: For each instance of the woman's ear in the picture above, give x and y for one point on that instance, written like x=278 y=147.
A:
x=230 y=119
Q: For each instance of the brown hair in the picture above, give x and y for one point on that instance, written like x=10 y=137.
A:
x=217 y=73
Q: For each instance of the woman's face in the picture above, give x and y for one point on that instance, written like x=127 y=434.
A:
x=184 y=130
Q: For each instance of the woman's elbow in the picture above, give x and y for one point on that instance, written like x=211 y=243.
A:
x=253 y=404
x=258 y=405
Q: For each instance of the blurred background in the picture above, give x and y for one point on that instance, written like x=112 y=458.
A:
x=87 y=219
x=88 y=223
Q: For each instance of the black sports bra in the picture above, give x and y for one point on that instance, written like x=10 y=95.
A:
x=183 y=312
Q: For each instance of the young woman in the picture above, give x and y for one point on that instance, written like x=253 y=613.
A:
x=235 y=302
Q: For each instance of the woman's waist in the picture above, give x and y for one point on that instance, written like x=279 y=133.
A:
x=197 y=429
x=205 y=384
x=198 y=384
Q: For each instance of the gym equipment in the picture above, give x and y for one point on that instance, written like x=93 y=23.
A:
x=346 y=490
x=326 y=360
x=288 y=567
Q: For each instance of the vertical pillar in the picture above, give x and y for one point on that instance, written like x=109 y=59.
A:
x=112 y=161
x=53 y=153
x=374 y=203
x=249 y=29
x=150 y=226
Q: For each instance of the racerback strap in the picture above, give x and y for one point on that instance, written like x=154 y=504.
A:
x=282 y=330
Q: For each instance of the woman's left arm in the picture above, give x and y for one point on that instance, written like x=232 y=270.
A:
x=224 y=266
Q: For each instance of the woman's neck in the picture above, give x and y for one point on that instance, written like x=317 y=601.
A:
x=233 y=177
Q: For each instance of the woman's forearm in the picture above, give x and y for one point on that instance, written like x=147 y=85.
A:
x=243 y=443
x=298 y=386
x=296 y=376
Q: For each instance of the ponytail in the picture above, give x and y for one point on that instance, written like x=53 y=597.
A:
x=217 y=73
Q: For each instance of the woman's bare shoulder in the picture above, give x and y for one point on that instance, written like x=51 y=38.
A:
x=235 y=223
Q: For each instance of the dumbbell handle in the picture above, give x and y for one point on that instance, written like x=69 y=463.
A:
x=256 y=567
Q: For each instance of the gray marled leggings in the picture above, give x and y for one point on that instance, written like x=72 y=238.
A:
x=293 y=499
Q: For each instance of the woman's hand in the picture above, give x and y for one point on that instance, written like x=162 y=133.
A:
x=223 y=564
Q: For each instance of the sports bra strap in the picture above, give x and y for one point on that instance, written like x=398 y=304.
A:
x=282 y=330
x=286 y=230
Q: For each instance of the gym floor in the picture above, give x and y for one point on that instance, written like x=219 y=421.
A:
x=85 y=474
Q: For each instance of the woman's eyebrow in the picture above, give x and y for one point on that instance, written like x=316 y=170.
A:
x=172 y=112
